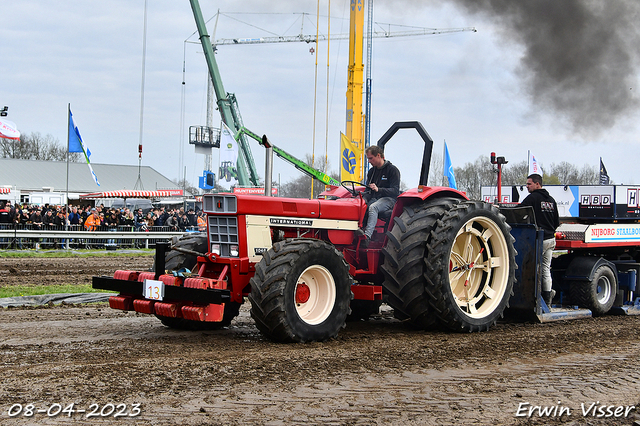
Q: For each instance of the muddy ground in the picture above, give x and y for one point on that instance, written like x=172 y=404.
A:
x=376 y=372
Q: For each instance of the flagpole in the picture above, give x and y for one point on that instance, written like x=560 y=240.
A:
x=66 y=227
x=444 y=160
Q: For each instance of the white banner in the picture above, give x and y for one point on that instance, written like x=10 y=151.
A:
x=228 y=157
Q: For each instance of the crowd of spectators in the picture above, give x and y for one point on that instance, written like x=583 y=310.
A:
x=99 y=218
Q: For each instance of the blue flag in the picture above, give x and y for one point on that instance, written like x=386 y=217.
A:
x=77 y=145
x=448 y=169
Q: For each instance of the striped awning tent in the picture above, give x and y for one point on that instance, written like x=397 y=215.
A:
x=5 y=190
x=135 y=194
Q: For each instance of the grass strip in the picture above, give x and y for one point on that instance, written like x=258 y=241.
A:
x=74 y=253
x=23 y=290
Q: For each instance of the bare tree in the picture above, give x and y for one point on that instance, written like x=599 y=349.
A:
x=515 y=174
x=34 y=146
x=300 y=186
x=472 y=176
x=436 y=167
x=186 y=186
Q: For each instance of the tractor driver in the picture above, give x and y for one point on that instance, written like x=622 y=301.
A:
x=383 y=187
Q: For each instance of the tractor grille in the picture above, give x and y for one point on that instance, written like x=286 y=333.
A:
x=223 y=231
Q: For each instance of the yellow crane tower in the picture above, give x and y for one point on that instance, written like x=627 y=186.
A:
x=352 y=144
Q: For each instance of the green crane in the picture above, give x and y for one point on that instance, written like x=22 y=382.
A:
x=247 y=173
x=246 y=169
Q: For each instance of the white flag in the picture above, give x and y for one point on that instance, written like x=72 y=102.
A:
x=534 y=167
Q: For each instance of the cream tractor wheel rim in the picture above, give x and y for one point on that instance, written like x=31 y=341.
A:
x=479 y=267
x=315 y=294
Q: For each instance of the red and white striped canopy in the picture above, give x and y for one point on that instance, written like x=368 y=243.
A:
x=5 y=190
x=135 y=194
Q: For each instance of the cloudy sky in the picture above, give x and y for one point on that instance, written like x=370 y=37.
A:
x=554 y=78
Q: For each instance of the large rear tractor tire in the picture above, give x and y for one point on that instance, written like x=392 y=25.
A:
x=470 y=267
x=404 y=265
x=176 y=260
x=599 y=294
x=301 y=291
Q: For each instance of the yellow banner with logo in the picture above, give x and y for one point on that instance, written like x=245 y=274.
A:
x=350 y=160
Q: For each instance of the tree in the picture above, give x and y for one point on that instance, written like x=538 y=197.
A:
x=515 y=174
x=186 y=186
x=436 y=167
x=472 y=176
x=34 y=146
x=300 y=186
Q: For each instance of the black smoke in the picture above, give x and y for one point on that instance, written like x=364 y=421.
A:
x=580 y=57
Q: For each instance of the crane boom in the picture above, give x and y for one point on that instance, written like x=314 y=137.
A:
x=311 y=38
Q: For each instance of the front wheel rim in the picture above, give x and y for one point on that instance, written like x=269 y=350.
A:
x=320 y=294
x=479 y=267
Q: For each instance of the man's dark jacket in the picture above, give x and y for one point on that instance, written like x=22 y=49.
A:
x=386 y=178
x=545 y=211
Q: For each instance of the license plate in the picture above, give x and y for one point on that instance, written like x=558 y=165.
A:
x=153 y=289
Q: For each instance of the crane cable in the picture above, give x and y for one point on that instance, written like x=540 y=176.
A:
x=326 y=142
x=315 y=97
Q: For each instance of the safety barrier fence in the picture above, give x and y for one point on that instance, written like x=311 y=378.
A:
x=32 y=236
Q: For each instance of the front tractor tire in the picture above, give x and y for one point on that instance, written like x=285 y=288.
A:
x=176 y=260
x=301 y=291
x=470 y=267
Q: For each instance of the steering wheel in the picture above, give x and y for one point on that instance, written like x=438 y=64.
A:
x=351 y=190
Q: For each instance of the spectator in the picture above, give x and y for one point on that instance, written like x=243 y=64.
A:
x=111 y=219
x=23 y=218
x=11 y=209
x=74 y=216
x=5 y=216
x=93 y=222
x=47 y=220
x=172 y=222
x=59 y=221
x=162 y=217
x=129 y=219
x=86 y=212
x=183 y=222
x=202 y=223
x=139 y=219
x=36 y=219
x=192 y=218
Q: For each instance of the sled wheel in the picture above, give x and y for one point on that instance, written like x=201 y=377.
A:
x=599 y=294
x=301 y=291
x=470 y=267
x=363 y=309
x=404 y=264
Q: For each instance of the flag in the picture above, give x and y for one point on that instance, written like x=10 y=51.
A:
x=75 y=144
x=604 y=176
x=350 y=160
x=448 y=169
x=228 y=156
x=534 y=167
x=8 y=130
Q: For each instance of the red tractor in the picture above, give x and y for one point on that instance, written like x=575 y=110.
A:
x=438 y=258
